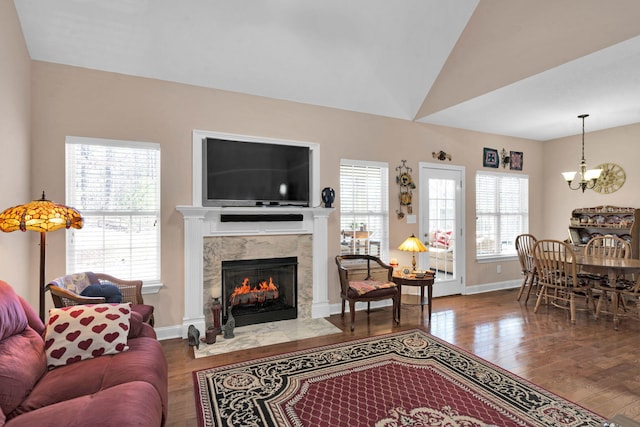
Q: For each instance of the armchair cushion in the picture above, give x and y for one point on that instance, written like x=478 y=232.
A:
x=366 y=286
x=86 y=331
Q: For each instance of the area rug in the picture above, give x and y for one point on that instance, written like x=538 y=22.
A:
x=403 y=379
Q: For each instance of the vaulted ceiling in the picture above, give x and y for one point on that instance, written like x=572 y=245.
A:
x=509 y=67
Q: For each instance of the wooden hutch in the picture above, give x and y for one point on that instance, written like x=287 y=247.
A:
x=586 y=223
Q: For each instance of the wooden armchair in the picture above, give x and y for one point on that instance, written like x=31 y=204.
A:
x=365 y=278
x=66 y=291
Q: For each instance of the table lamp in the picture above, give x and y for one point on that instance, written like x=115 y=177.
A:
x=41 y=216
x=413 y=244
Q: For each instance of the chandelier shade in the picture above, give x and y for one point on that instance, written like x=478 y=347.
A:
x=588 y=177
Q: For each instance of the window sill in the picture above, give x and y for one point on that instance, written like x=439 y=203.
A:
x=151 y=288
x=496 y=258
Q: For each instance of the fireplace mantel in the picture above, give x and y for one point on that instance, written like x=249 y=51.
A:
x=201 y=222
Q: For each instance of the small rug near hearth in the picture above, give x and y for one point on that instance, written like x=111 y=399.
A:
x=403 y=379
x=261 y=334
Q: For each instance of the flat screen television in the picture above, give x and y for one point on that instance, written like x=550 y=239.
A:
x=241 y=173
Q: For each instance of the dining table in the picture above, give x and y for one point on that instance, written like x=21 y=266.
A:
x=612 y=268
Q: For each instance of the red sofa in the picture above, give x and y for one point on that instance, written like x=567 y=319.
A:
x=124 y=389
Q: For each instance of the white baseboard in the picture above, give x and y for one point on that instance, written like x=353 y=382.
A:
x=169 y=332
x=490 y=287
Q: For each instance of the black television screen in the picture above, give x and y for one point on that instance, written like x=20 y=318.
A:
x=240 y=173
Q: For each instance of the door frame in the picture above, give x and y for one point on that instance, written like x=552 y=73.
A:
x=456 y=286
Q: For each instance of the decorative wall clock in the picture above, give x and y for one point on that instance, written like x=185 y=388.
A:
x=611 y=178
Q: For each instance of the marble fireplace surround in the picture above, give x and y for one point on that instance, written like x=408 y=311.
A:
x=231 y=248
x=208 y=241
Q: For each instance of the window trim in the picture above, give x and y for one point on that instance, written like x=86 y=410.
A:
x=499 y=257
x=384 y=215
x=149 y=286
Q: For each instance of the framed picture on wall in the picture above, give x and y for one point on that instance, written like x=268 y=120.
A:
x=516 y=160
x=491 y=159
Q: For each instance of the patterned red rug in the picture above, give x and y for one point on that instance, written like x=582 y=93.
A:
x=402 y=379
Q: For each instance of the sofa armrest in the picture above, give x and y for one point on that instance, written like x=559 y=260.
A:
x=138 y=328
x=33 y=318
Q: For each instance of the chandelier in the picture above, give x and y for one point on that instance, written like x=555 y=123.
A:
x=588 y=177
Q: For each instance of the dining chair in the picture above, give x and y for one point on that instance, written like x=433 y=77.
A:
x=524 y=247
x=607 y=246
x=628 y=297
x=557 y=277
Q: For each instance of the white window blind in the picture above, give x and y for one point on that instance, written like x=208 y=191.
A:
x=364 y=208
x=116 y=187
x=502 y=212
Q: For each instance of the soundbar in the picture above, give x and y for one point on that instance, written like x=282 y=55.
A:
x=260 y=217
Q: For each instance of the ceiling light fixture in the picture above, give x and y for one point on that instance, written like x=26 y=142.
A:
x=588 y=177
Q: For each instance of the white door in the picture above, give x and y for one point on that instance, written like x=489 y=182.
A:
x=441 y=225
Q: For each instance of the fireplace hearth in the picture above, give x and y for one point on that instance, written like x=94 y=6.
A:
x=260 y=290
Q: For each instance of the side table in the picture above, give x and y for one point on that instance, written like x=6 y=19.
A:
x=411 y=280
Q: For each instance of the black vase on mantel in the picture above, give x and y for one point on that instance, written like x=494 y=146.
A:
x=328 y=196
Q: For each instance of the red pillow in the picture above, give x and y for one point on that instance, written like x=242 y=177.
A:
x=442 y=238
x=86 y=331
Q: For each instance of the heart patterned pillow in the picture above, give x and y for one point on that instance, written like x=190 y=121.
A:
x=86 y=331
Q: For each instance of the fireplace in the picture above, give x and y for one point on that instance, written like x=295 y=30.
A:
x=260 y=290
x=207 y=237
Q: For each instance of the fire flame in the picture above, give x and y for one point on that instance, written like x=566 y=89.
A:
x=246 y=288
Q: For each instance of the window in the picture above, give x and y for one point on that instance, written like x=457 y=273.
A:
x=502 y=213
x=116 y=187
x=364 y=208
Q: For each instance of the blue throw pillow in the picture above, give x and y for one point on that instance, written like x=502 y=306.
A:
x=110 y=292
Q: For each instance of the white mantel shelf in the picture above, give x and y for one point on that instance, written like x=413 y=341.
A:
x=201 y=222
x=215 y=227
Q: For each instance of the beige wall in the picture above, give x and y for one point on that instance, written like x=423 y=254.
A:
x=81 y=102
x=72 y=101
x=42 y=103
x=15 y=265
x=618 y=145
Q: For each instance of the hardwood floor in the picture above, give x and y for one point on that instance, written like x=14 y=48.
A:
x=588 y=363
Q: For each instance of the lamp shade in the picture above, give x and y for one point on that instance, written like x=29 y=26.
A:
x=413 y=244
x=40 y=215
